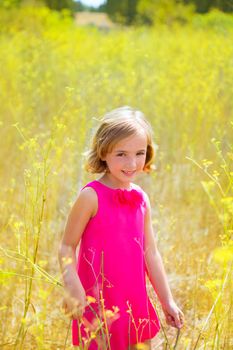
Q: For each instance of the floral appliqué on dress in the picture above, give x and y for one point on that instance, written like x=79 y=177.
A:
x=130 y=197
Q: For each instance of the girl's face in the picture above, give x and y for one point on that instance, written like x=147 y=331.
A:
x=127 y=158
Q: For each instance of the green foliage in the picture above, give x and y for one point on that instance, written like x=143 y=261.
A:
x=122 y=11
x=214 y=19
x=164 y=11
x=52 y=4
x=203 y=6
x=61 y=4
x=161 y=11
x=36 y=19
x=7 y=4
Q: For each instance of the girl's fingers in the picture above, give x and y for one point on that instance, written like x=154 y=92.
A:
x=176 y=321
x=77 y=312
x=72 y=311
x=179 y=319
x=169 y=320
x=181 y=316
x=174 y=316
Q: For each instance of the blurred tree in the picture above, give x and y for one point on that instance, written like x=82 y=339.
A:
x=123 y=11
x=52 y=4
x=164 y=11
x=60 y=4
x=151 y=11
x=9 y=3
x=203 y=6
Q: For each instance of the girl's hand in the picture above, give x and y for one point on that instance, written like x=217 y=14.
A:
x=74 y=305
x=174 y=316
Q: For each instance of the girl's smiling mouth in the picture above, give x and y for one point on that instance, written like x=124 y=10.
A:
x=129 y=173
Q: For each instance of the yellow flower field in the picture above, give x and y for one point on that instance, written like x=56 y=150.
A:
x=56 y=80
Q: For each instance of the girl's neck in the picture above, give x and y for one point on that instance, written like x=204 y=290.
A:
x=110 y=181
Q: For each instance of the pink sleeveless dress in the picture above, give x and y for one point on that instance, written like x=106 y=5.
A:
x=112 y=270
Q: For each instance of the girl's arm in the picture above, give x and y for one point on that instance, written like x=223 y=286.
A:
x=157 y=274
x=84 y=207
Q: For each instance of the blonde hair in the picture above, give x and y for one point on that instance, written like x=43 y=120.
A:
x=114 y=126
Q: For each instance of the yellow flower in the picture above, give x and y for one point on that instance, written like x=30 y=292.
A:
x=141 y=346
x=66 y=261
x=90 y=299
x=116 y=309
x=109 y=313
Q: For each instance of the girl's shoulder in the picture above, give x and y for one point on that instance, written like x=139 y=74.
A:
x=89 y=192
x=85 y=202
x=88 y=195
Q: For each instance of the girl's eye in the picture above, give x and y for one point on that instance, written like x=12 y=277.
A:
x=139 y=153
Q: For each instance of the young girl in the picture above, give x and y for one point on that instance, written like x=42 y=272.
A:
x=106 y=290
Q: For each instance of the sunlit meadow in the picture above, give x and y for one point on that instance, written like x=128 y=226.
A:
x=56 y=79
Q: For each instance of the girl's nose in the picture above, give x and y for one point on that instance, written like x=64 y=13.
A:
x=131 y=164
